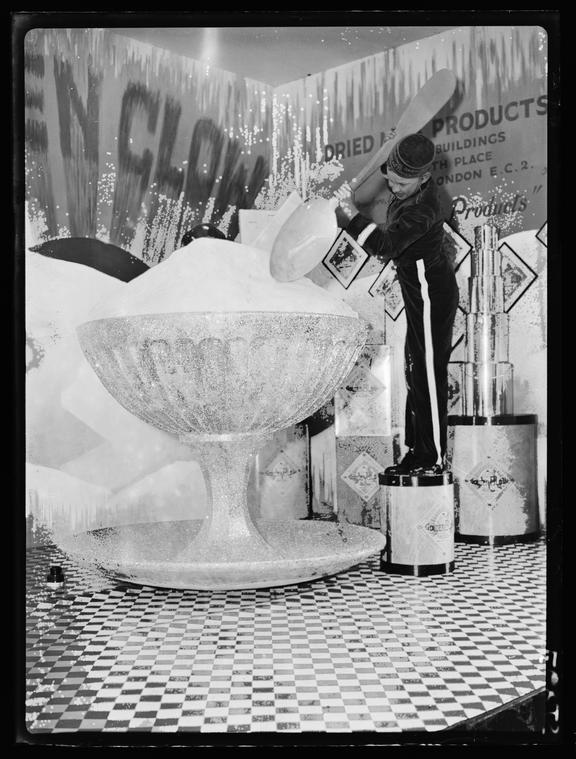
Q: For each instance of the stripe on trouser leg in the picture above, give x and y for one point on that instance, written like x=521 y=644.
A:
x=429 y=355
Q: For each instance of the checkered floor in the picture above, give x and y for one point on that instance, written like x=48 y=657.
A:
x=362 y=651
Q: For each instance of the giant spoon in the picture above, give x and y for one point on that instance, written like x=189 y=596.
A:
x=304 y=238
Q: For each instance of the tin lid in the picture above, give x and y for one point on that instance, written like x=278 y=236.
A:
x=420 y=481
x=496 y=420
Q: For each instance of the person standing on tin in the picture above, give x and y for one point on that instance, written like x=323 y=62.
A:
x=400 y=218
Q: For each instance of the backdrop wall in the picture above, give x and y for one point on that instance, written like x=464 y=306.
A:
x=133 y=145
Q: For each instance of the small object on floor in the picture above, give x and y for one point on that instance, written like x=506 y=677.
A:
x=55 y=578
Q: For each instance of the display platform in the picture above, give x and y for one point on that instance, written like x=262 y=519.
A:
x=419 y=523
x=360 y=651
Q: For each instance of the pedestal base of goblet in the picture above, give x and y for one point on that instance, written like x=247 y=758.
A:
x=158 y=554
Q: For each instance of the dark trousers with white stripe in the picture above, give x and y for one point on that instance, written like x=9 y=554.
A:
x=430 y=296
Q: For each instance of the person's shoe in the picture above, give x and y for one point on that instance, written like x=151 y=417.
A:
x=403 y=467
x=426 y=471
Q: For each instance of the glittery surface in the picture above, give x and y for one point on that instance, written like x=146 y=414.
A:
x=223 y=382
x=222 y=373
x=172 y=554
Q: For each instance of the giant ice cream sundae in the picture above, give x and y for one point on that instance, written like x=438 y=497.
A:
x=210 y=347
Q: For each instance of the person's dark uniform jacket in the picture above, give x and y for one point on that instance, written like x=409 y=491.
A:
x=409 y=229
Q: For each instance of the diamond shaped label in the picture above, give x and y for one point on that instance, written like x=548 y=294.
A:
x=386 y=286
x=439 y=526
x=462 y=277
x=488 y=482
x=362 y=476
x=542 y=234
x=457 y=245
x=517 y=275
x=459 y=328
x=34 y=353
x=361 y=380
x=281 y=468
x=455 y=386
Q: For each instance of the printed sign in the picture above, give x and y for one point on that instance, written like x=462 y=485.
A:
x=345 y=259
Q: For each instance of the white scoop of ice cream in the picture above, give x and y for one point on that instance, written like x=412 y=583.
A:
x=218 y=275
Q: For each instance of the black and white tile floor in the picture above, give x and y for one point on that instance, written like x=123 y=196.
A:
x=361 y=651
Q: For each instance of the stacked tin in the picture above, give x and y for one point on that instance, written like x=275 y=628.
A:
x=487 y=381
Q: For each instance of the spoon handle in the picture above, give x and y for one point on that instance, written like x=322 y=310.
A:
x=431 y=97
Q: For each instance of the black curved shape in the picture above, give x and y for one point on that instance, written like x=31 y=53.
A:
x=202 y=230
x=103 y=256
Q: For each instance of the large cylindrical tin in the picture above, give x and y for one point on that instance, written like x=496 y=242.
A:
x=487 y=337
x=487 y=388
x=418 y=517
x=278 y=485
x=486 y=294
x=493 y=461
x=359 y=461
x=363 y=404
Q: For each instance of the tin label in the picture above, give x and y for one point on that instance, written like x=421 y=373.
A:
x=489 y=482
x=362 y=476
